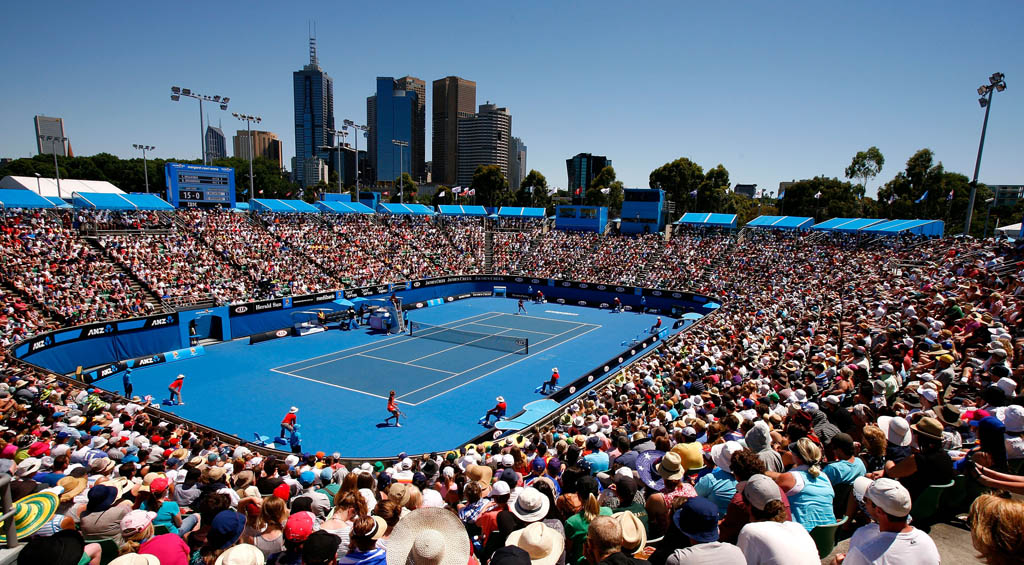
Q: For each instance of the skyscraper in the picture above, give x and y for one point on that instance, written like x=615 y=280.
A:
x=389 y=114
x=54 y=127
x=582 y=169
x=216 y=143
x=483 y=140
x=264 y=143
x=314 y=115
x=454 y=98
x=417 y=148
x=516 y=163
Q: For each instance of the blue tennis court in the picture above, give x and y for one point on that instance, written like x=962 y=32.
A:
x=340 y=380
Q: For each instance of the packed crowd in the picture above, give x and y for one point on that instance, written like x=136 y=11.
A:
x=836 y=383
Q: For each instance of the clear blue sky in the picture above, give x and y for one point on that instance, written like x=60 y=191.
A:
x=773 y=90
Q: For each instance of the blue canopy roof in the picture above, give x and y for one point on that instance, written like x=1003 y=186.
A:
x=846 y=225
x=58 y=202
x=148 y=202
x=930 y=228
x=406 y=209
x=342 y=207
x=507 y=211
x=102 y=201
x=275 y=205
x=459 y=210
x=781 y=222
x=20 y=198
x=710 y=220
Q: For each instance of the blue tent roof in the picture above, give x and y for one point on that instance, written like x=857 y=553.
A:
x=781 y=222
x=710 y=220
x=102 y=201
x=406 y=209
x=148 y=202
x=507 y=211
x=342 y=207
x=846 y=225
x=58 y=202
x=275 y=205
x=459 y=210
x=20 y=198
x=930 y=228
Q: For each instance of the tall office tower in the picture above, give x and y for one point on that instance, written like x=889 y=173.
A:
x=483 y=140
x=582 y=169
x=264 y=143
x=516 y=163
x=314 y=115
x=419 y=124
x=454 y=98
x=52 y=127
x=216 y=143
x=390 y=114
x=371 y=137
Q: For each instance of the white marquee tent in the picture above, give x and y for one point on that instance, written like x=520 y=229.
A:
x=48 y=187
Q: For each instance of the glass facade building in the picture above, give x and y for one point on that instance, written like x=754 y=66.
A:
x=314 y=114
x=393 y=112
x=581 y=170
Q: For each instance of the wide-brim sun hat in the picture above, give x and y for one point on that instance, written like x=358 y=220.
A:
x=530 y=505
x=722 y=453
x=670 y=467
x=896 y=430
x=543 y=543
x=634 y=534
x=32 y=513
x=429 y=536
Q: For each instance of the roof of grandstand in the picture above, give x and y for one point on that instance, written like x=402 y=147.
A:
x=506 y=211
x=340 y=207
x=275 y=205
x=17 y=198
x=781 y=222
x=459 y=210
x=406 y=209
x=123 y=202
x=708 y=220
x=48 y=187
x=846 y=225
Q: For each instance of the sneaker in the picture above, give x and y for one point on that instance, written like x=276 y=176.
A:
x=397 y=425
x=181 y=404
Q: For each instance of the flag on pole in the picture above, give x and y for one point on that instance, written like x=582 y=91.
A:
x=923 y=196
x=693 y=194
x=605 y=190
x=818 y=195
x=470 y=192
x=950 y=195
x=441 y=194
x=457 y=190
x=579 y=191
x=892 y=198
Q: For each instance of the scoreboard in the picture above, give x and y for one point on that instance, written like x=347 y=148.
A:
x=199 y=186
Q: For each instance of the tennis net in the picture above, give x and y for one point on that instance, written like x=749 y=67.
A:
x=511 y=344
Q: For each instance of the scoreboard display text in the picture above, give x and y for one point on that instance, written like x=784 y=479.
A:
x=199 y=186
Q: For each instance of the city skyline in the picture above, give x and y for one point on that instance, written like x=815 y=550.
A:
x=770 y=106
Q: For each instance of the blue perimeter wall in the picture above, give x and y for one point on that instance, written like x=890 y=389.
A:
x=92 y=345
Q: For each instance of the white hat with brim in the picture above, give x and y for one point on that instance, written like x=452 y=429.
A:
x=541 y=542
x=722 y=453
x=242 y=554
x=141 y=559
x=530 y=505
x=896 y=429
x=429 y=536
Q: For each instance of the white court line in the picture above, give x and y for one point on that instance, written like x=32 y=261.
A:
x=516 y=329
x=489 y=362
x=549 y=319
x=505 y=367
x=339 y=386
x=405 y=363
x=468 y=343
x=367 y=350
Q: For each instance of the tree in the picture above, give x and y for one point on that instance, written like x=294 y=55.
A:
x=865 y=165
x=606 y=191
x=835 y=199
x=491 y=186
x=405 y=183
x=679 y=179
x=533 y=191
x=713 y=190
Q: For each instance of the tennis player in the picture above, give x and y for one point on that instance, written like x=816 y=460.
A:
x=498 y=411
x=288 y=423
x=175 y=390
x=522 y=307
x=618 y=304
x=393 y=408
x=551 y=383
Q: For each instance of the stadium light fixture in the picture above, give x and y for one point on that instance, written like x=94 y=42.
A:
x=53 y=139
x=145 y=166
x=248 y=119
x=996 y=83
x=177 y=93
x=358 y=128
x=401 y=168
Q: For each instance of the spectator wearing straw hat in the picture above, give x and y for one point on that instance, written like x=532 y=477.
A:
x=429 y=536
x=544 y=545
x=930 y=464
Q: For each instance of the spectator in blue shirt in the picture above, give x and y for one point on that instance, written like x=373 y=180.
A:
x=845 y=466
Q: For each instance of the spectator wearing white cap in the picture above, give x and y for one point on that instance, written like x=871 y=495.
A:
x=769 y=538
x=1013 y=418
x=889 y=538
